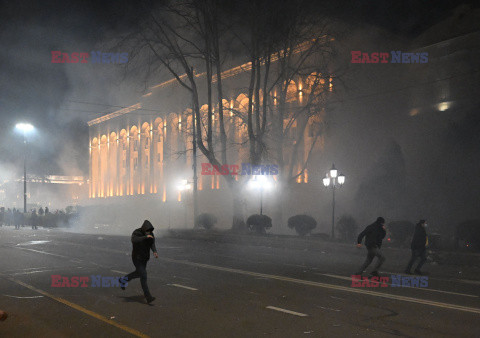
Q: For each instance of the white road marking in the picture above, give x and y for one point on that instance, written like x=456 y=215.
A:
x=183 y=287
x=43 y=252
x=33 y=243
x=287 y=311
x=327 y=308
x=424 y=289
x=475 y=282
x=123 y=273
x=330 y=286
x=12 y=271
x=30 y=272
x=23 y=297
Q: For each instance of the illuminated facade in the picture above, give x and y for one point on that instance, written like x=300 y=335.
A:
x=137 y=151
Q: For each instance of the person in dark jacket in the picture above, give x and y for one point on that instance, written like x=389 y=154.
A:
x=419 y=248
x=143 y=241
x=374 y=235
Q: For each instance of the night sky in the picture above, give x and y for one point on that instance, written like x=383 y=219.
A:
x=47 y=95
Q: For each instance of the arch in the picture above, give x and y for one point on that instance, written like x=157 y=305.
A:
x=94 y=153
x=134 y=145
x=103 y=165
x=122 y=162
x=315 y=82
x=145 y=158
x=241 y=103
x=158 y=149
x=145 y=127
x=292 y=91
x=157 y=123
x=112 y=165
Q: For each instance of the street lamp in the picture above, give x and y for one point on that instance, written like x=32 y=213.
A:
x=24 y=128
x=331 y=180
x=260 y=182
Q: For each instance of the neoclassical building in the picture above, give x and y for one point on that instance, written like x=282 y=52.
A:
x=145 y=150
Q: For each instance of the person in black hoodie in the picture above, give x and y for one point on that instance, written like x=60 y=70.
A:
x=419 y=245
x=143 y=241
x=374 y=234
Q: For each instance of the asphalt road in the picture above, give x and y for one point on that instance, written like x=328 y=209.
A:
x=214 y=289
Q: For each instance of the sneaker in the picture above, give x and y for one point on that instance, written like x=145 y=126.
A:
x=150 y=299
x=374 y=274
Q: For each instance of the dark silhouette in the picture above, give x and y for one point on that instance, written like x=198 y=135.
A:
x=34 y=220
x=303 y=224
x=374 y=235
x=419 y=247
x=143 y=241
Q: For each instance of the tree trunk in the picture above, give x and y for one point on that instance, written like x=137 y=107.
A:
x=238 y=225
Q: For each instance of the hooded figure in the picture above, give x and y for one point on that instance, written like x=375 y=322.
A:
x=374 y=235
x=143 y=241
x=419 y=245
x=142 y=244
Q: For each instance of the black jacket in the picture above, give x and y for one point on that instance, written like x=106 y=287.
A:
x=374 y=233
x=141 y=243
x=419 y=239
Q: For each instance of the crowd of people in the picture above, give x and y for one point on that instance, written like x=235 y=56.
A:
x=34 y=218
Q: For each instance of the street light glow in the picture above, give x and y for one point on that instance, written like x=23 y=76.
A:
x=24 y=127
x=333 y=172
x=259 y=182
x=326 y=181
x=184 y=185
x=341 y=179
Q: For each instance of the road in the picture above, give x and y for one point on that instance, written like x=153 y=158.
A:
x=215 y=289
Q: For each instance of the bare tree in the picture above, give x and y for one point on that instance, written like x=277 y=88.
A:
x=285 y=44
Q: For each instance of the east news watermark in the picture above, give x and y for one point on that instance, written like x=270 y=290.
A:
x=389 y=281
x=93 y=281
x=388 y=57
x=92 y=57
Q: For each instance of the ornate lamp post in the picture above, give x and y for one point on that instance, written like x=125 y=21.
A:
x=331 y=180
x=24 y=128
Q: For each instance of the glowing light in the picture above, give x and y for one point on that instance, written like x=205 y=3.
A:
x=414 y=112
x=444 y=105
x=24 y=127
x=333 y=172
x=260 y=182
x=326 y=181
